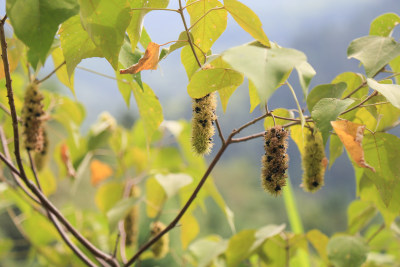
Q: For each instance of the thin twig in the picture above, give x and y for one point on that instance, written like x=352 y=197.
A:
x=220 y=131
x=51 y=73
x=355 y=90
x=103 y=75
x=194 y=2
x=246 y=138
x=250 y=123
x=361 y=103
x=205 y=14
x=153 y=8
x=116 y=246
x=187 y=32
x=3 y=107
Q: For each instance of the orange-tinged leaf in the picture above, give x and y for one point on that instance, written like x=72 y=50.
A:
x=99 y=171
x=148 y=62
x=351 y=134
x=66 y=159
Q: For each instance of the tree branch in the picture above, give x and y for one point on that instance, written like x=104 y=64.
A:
x=361 y=103
x=51 y=73
x=220 y=132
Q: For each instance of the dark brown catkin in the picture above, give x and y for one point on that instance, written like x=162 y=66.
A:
x=313 y=163
x=275 y=160
x=32 y=118
x=203 y=123
x=161 y=246
x=131 y=221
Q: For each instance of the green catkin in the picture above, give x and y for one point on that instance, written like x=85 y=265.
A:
x=32 y=118
x=161 y=247
x=41 y=157
x=131 y=221
x=203 y=123
x=313 y=163
x=275 y=161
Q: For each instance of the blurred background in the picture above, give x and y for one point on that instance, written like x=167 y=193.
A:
x=320 y=29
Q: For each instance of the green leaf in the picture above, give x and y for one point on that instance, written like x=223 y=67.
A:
x=390 y=91
x=335 y=149
x=359 y=214
x=384 y=24
x=246 y=242
x=282 y=112
x=306 y=72
x=324 y=91
x=386 y=115
x=206 y=81
x=395 y=66
x=353 y=81
x=374 y=52
x=155 y=196
x=347 y=251
x=35 y=23
x=319 y=241
x=76 y=43
x=134 y=29
x=150 y=109
x=247 y=19
x=253 y=95
x=381 y=151
x=182 y=37
x=36 y=221
x=106 y=22
x=189 y=61
x=264 y=67
x=119 y=211
x=172 y=183
x=327 y=110
x=62 y=73
x=207 y=249
x=211 y=26
x=144 y=38
x=127 y=59
x=108 y=195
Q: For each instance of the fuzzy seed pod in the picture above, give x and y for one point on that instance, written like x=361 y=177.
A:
x=41 y=156
x=314 y=163
x=131 y=221
x=161 y=247
x=32 y=118
x=275 y=160
x=203 y=123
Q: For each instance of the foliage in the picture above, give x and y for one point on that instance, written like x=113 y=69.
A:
x=69 y=203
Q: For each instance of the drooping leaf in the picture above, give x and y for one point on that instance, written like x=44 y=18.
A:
x=306 y=72
x=352 y=134
x=76 y=43
x=395 y=66
x=155 y=197
x=335 y=149
x=172 y=183
x=148 y=62
x=325 y=91
x=247 y=19
x=189 y=61
x=374 y=52
x=207 y=30
x=182 y=37
x=106 y=22
x=390 y=91
x=119 y=211
x=36 y=22
x=359 y=214
x=134 y=29
x=108 y=195
x=253 y=95
x=99 y=171
x=189 y=229
x=381 y=151
x=266 y=68
x=62 y=73
x=209 y=80
x=347 y=251
x=327 y=110
x=144 y=38
x=319 y=241
x=206 y=250
x=14 y=52
x=384 y=24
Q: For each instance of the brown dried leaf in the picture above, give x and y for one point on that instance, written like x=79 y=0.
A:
x=148 y=62
x=351 y=134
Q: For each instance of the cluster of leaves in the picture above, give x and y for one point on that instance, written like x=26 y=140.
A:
x=90 y=175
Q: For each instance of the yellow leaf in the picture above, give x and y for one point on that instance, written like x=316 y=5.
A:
x=99 y=171
x=62 y=74
x=189 y=229
x=148 y=62
x=351 y=134
x=14 y=52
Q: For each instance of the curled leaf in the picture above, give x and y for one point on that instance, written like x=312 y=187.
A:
x=351 y=134
x=148 y=62
x=99 y=172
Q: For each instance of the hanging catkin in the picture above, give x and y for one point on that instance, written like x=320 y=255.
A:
x=203 y=123
x=275 y=160
x=131 y=221
x=41 y=157
x=161 y=246
x=32 y=118
x=313 y=163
